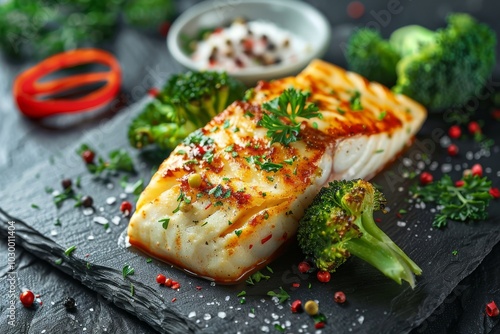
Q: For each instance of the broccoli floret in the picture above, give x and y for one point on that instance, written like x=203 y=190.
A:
x=187 y=102
x=339 y=223
x=373 y=57
x=440 y=69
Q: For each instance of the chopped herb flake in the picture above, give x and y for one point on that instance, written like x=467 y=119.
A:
x=70 y=250
x=127 y=271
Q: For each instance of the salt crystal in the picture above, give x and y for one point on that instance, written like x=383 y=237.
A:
x=212 y=283
x=275 y=316
x=401 y=223
x=434 y=165
x=469 y=155
x=207 y=316
x=458 y=167
x=265 y=329
x=91 y=310
x=192 y=314
x=90 y=237
x=116 y=220
x=251 y=315
x=445 y=141
x=487 y=170
x=53 y=233
x=221 y=315
x=111 y=200
x=400 y=189
x=267 y=321
x=101 y=209
x=361 y=319
x=446 y=168
x=88 y=211
x=123 y=195
x=100 y=220
x=420 y=165
x=227 y=298
x=110 y=185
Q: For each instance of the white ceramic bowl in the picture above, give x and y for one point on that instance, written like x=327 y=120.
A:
x=297 y=17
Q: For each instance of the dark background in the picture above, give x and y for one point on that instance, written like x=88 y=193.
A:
x=24 y=142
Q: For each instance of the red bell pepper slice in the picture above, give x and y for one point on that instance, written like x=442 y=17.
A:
x=36 y=99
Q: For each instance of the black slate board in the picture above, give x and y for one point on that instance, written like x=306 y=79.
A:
x=374 y=302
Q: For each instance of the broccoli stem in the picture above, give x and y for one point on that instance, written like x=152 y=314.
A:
x=376 y=248
x=382 y=257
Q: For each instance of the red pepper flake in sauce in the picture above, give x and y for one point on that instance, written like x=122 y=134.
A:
x=296 y=285
x=198 y=288
x=174 y=299
x=208 y=206
x=266 y=239
x=378 y=220
x=250 y=247
x=319 y=325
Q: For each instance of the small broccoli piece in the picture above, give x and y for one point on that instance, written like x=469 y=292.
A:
x=373 y=57
x=187 y=102
x=440 y=69
x=339 y=223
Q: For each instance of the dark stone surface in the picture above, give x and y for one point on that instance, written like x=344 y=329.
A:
x=34 y=155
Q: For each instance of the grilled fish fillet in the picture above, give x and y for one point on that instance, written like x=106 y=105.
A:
x=222 y=205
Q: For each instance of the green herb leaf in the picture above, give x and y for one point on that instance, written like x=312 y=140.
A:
x=465 y=203
x=282 y=124
x=282 y=295
x=70 y=250
x=238 y=232
x=164 y=222
x=355 y=101
x=127 y=271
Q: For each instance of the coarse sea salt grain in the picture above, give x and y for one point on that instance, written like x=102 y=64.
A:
x=361 y=319
x=123 y=195
x=90 y=237
x=53 y=233
x=100 y=220
x=401 y=223
x=207 y=316
x=88 y=211
x=221 y=315
x=192 y=314
x=116 y=220
x=265 y=329
x=111 y=200
x=110 y=185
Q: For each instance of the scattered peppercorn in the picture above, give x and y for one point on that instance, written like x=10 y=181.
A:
x=87 y=201
x=452 y=150
x=474 y=128
x=426 y=178
x=339 y=297
x=88 y=156
x=455 y=132
x=495 y=192
x=492 y=309
x=69 y=303
x=126 y=207
x=27 y=298
x=66 y=183
x=477 y=169
x=160 y=279
x=194 y=180
x=296 y=306
x=323 y=276
x=319 y=325
x=311 y=307
x=304 y=267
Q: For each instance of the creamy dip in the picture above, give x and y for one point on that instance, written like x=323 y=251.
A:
x=250 y=44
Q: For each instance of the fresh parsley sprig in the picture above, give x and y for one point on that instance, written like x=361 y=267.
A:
x=465 y=203
x=282 y=124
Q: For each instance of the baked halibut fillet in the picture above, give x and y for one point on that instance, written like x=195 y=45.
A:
x=226 y=201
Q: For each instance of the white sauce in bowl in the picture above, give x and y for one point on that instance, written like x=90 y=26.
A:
x=251 y=44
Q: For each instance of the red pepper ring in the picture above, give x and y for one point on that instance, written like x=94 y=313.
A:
x=33 y=97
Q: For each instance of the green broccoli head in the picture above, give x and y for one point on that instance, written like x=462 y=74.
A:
x=372 y=56
x=339 y=223
x=440 y=69
x=187 y=102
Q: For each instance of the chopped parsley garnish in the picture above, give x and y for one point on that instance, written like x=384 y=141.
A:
x=355 y=101
x=181 y=198
x=34 y=206
x=378 y=151
x=164 y=222
x=58 y=222
x=238 y=232
x=279 y=130
x=127 y=270
x=267 y=166
x=341 y=111
x=454 y=252
x=282 y=295
x=230 y=148
x=119 y=160
x=465 y=203
x=58 y=261
x=132 y=289
x=197 y=137
x=70 y=250
x=270 y=269
x=149 y=260
x=382 y=115
x=256 y=278
x=242 y=294
x=226 y=124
